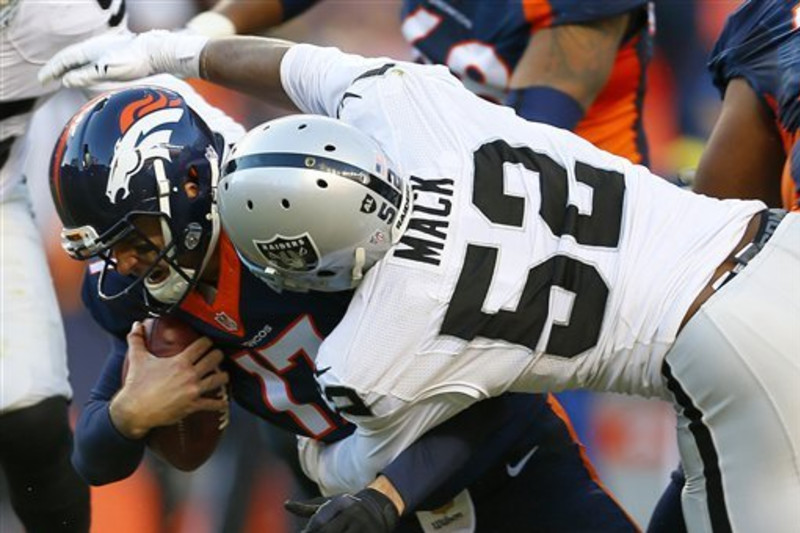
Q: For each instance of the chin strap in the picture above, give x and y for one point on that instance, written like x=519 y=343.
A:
x=396 y=233
x=360 y=257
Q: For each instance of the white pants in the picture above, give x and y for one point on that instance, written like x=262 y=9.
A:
x=33 y=362
x=735 y=379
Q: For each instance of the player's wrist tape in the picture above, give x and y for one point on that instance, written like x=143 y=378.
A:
x=211 y=24
x=546 y=104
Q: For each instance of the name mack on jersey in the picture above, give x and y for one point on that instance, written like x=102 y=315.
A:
x=425 y=237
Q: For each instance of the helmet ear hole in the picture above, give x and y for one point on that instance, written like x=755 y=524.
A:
x=330 y=148
x=249 y=205
x=322 y=184
x=286 y=204
x=191 y=183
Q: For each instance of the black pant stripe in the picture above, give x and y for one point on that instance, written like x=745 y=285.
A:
x=5 y=150
x=16 y=107
x=717 y=509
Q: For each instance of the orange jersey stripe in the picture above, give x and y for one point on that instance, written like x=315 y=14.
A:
x=612 y=121
x=226 y=302
x=538 y=12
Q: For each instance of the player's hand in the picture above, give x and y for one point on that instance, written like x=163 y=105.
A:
x=125 y=57
x=159 y=391
x=367 y=511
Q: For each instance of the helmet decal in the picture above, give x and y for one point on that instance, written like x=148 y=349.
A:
x=143 y=138
x=296 y=254
x=144 y=106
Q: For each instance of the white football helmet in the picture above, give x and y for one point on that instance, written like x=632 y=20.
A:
x=311 y=203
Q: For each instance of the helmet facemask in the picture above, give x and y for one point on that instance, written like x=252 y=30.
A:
x=163 y=272
x=185 y=253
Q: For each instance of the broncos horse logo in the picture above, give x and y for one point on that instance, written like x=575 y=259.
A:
x=144 y=138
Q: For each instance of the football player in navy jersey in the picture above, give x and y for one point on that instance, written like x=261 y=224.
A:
x=756 y=66
x=576 y=64
x=133 y=179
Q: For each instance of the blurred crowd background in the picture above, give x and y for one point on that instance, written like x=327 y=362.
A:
x=243 y=486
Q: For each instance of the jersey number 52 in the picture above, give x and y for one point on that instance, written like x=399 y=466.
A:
x=465 y=317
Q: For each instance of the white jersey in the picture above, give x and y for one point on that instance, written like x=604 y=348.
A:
x=533 y=261
x=32 y=32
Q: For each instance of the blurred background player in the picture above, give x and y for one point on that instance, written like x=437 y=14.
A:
x=35 y=435
x=571 y=63
x=755 y=64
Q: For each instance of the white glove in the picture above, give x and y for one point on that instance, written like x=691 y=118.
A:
x=126 y=57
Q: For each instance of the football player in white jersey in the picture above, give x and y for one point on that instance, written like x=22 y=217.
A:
x=494 y=255
x=35 y=437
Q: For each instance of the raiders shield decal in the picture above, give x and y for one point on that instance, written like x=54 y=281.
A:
x=298 y=254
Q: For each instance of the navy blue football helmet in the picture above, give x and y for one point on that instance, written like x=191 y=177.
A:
x=129 y=154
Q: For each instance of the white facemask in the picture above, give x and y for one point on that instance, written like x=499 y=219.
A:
x=172 y=288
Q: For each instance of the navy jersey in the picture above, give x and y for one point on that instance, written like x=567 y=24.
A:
x=269 y=341
x=761 y=44
x=482 y=42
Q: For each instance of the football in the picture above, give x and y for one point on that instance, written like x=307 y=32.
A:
x=190 y=442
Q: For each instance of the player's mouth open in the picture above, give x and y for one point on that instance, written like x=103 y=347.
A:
x=158 y=275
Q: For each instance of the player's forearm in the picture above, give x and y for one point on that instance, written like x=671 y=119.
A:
x=454 y=454
x=754 y=172
x=247 y=64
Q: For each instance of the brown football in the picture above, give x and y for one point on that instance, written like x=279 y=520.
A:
x=190 y=442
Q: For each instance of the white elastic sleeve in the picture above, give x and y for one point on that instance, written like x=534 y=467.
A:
x=352 y=463
x=316 y=78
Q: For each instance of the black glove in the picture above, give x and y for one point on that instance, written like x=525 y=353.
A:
x=367 y=511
